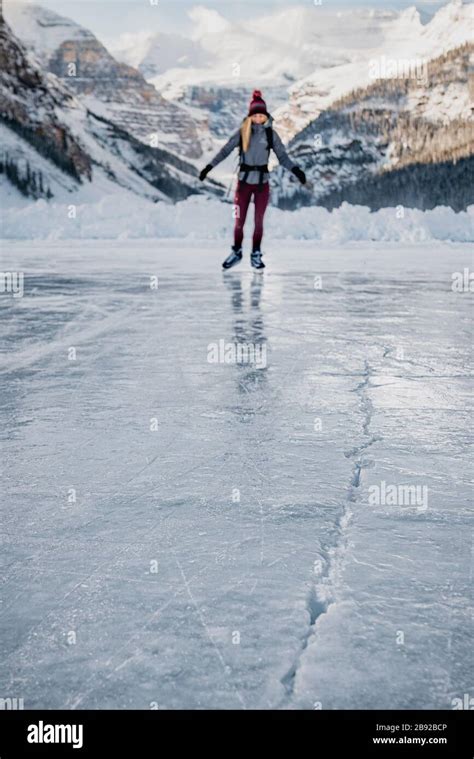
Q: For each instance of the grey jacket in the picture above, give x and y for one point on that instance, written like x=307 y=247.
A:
x=257 y=154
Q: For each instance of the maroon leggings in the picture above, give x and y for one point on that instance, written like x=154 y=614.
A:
x=243 y=195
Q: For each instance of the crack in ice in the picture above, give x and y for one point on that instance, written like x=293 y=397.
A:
x=320 y=596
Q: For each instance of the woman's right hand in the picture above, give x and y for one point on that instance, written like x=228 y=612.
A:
x=299 y=173
x=205 y=172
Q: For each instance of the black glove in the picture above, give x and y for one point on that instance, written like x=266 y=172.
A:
x=299 y=173
x=205 y=172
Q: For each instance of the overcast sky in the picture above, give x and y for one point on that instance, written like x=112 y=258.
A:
x=109 y=18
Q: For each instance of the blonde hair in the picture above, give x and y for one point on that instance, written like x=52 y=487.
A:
x=245 y=132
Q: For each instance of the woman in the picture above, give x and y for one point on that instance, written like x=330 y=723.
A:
x=255 y=138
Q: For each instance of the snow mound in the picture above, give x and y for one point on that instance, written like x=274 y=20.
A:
x=124 y=216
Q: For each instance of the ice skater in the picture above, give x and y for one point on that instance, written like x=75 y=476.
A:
x=255 y=138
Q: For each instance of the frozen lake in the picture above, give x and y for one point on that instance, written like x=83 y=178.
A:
x=291 y=532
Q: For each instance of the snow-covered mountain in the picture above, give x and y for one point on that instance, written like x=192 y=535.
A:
x=331 y=55
x=107 y=87
x=215 y=69
x=303 y=57
x=400 y=141
x=52 y=145
x=276 y=49
x=402 y=40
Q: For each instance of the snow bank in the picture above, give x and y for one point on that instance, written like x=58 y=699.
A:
x=124 y=216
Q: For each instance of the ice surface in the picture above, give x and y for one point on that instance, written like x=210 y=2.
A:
x=301 y=594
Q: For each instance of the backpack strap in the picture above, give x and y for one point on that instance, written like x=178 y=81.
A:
x=269 y=132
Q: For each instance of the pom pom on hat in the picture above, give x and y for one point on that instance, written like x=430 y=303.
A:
x=257 y=104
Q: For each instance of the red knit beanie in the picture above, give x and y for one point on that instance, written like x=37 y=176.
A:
x=257 y=104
